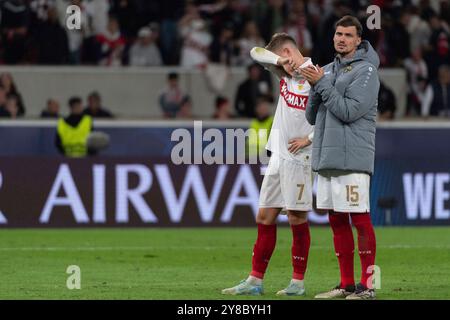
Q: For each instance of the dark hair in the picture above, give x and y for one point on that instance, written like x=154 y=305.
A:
x=350 y=21
x=172 y=76
x=186 y=99
x=13 y=96
x=112 y=16
x=73 y=101
x=220 y=101
x=13 y=88
x=278 y=39
x=253 y=65
x=94 y=94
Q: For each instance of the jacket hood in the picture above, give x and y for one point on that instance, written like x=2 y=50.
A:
x=364 y=52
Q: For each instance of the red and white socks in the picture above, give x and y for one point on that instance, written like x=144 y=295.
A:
x=301 y=241
x=344 y=245
x=263 y=249
x=265 y=244
x=366 y=246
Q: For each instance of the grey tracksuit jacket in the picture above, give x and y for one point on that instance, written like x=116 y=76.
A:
x=343 y=108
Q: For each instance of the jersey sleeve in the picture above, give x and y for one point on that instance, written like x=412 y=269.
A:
x=265 y=56
x=268 y=60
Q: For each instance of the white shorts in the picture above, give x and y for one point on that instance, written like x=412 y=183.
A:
x=343 y=193
x=287 y=184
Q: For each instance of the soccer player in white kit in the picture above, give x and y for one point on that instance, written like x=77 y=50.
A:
x=288 y=179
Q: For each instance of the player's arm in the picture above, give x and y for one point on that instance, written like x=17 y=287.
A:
x=270 y=61
x=312 y=107
x=360 y=96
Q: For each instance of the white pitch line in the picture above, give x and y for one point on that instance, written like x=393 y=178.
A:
x=195 y=248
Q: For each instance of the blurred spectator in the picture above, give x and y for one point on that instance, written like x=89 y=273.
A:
x=39 y=8
x=445 y=11
x=250 y=90
x=52 y=109
x=296 y=27
x=192 y=32
x=250 y=38
x=439 y=43
x=386 y=103
x=7 y=82
x=73 y=131
x=224 y=13
x=185 y=109
x=170 y=12
x=223 y=111
x=222 y=47
x=398 y=40
x=419 y=31
x=272 y=19
x=12 y=106
x=95 y=108
x=56 y=51
x=145 y=53
x=380 y=42
x=76 y=37
x=196 y=38
x=424 y=96
x=112 y=44
x=261 y=126
x=97 y=15
x=14 y=22
x=440 y=105
x=415 y=68
x=4 y=113
x=126 y=12
x=172 y=97
x=257 y=10
x=427 y=9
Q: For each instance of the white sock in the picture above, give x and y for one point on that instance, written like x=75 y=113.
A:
x=254 y=281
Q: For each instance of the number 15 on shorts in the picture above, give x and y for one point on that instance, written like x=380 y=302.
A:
x=352 y=193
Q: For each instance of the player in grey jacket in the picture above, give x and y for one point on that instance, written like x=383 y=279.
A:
x=343 y=108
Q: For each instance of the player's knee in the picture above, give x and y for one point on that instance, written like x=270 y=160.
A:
x=297 y=217
x=266 y=216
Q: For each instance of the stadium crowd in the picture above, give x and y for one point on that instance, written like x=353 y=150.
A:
x=415 y=35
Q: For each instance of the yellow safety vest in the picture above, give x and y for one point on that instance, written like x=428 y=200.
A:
x=74 y=140
x=259 y=135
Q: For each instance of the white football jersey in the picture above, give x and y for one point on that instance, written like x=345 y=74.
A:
x=290 y=121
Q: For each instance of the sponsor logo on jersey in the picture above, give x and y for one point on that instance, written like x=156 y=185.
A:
x=296 y=101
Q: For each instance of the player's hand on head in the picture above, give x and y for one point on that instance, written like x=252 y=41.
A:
x=296 y=144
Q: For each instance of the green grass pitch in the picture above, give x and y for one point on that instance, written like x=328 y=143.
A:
x=198 y=263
